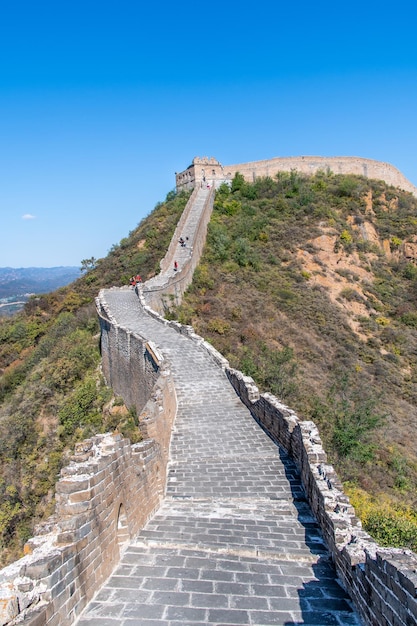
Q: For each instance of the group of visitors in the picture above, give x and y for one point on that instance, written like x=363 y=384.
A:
x=135 y=280
x=183 y=244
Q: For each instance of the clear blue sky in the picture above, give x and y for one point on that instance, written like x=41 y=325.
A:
x=101 y=102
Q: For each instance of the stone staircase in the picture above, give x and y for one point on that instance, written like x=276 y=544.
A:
x=234 y=541
x=187 y=229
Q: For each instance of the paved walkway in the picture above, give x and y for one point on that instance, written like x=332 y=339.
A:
x=234 y=541
x=176 y=251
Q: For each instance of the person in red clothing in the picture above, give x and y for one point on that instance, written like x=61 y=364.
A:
x=175 y=266
x=138 y=279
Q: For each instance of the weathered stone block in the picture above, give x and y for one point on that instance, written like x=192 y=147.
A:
x=9 y=606
x=74 y=508
x=37 y=617
x=70 y=485
x=42 y=567
x=80 y=496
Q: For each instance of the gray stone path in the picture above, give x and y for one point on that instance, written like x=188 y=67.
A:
x=176 y=251
x=234 y=541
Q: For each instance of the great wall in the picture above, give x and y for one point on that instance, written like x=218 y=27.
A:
x=227 y=512
x=204 y=169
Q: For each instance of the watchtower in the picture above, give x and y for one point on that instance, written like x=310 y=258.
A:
x=203 y=170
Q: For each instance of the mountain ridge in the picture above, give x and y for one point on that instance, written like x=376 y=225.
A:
x=18 y=284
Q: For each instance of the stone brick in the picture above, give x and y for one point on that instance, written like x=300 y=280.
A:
x=75 y=508
x=42 y=567
x=80 y=496
x=67 y=486
x=36 y=617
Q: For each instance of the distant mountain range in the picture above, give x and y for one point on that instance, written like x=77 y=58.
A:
x=18 y=284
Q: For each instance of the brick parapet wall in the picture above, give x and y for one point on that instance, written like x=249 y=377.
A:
x=381 y=581
x=127 y=357
x=136 y=370
x=109 y=481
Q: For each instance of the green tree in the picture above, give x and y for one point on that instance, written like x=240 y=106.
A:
x=88 y=264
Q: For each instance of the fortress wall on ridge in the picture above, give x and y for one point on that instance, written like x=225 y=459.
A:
x=211 y=169
x=161 y=295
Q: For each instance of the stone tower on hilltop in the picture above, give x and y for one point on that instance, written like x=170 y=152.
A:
x=201 y=170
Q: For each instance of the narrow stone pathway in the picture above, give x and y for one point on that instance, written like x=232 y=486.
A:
x=176 y=251
x=234 y=541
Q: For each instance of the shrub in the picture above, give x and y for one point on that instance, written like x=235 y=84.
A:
x=346 y=237
x=390 y=524
x=218 y=325
x=410 y=271
x=347 y=186
x=79 y=407
x=238 y=182
x=349 y=413
x=382 y=321
x=350 y=294
x=409 y=319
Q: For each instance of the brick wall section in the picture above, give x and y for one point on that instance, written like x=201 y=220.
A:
x=305 y=164
x=103 y=498
x=75 y=551
x=126 y=359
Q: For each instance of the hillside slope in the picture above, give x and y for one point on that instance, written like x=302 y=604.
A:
x=309 y=284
